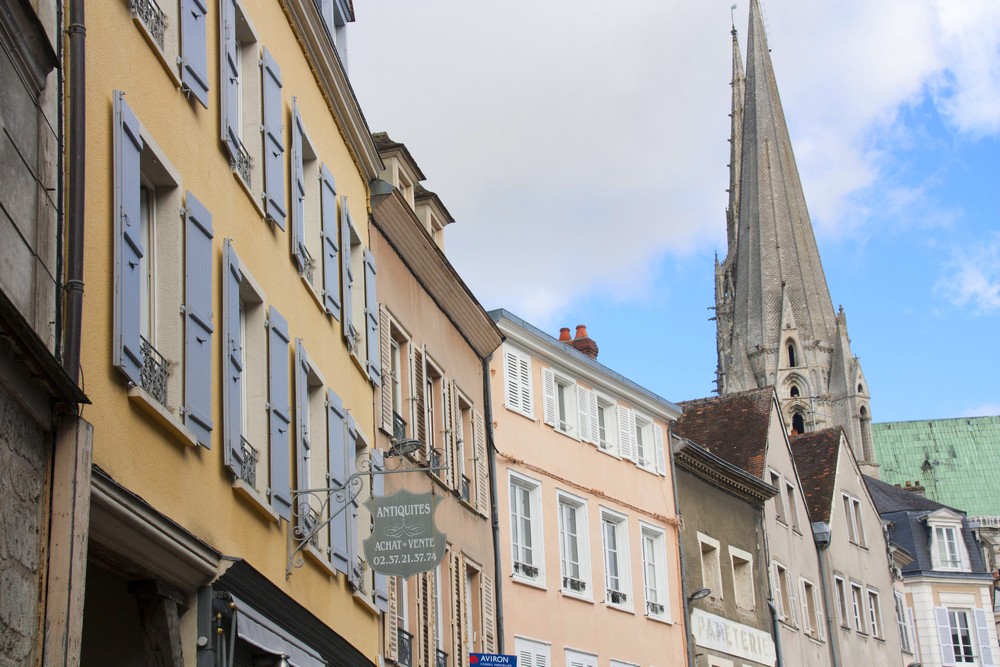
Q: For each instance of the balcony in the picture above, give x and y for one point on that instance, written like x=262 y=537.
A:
x=530 y=571
x=153 y=375
x=437 y=461
x=577 y=585
x=248 y=469
x=465 y=488
x=617 y=597
x=398 y=427
x=440 y=659
x=654 y=608
x=404 y=648
x=152 y=17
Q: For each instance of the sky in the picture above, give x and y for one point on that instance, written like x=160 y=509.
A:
x=583 y=150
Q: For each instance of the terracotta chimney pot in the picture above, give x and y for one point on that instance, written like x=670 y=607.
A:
x=564 y=334
x=581 y=331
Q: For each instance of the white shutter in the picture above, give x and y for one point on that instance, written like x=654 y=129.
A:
x=661 y=457
x=549 y=394
x=482 y=463
x=804 y=601
x=983 y=633
x=392 y=621
x=793 y=608
x=524 y=379
x=944 y=636
x=488 y=615
x=820 y=618
x=583 y=399
x=776 y=590
x=385 y=349
x=595 y=428
x=626 y=433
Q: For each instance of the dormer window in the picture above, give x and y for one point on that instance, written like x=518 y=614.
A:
x=947 y=544
x=405 y=187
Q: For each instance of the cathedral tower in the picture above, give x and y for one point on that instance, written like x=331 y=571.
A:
x=776 y=322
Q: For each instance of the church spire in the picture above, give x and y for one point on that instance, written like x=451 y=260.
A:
x=735 y=145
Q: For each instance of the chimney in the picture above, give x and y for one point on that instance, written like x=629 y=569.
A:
x=584 y=343
x=914 y=487
x=564 y=335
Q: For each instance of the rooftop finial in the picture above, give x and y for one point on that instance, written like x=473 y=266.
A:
x=732 y=16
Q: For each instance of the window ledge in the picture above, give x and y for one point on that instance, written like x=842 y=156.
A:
x=256 y=501
x=167 y=420
x=360 y=365
x=660 y=619
x=316 y=557
x=518 y=579
x=365 y=602
x=254 y=199
x=609 y=452
x=312 y=292
x=815 y=640
x=530 y=416
x=167 y=67
x=576 y=596
x=618 y=607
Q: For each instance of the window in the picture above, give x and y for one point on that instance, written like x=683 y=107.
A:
x=336 y=15
x=617 y=578
x=395 y=349
x=902 y=624
x=790 y=346
x=946 y=548
x=794 y=391
x=531 y=653
x=784 y=593
x=857 y=607
x=874 y=613
x=313 y=212
x=812 y=614
x=956 y=641
x=711 y=565
x=517 y=381
x=463 y=454
x=177 y=32
x=162 y=337
x=644 y=447
x=779 y=503
x=743 y=578
x=654 y=571
x=793 y=513
x=842 y=604
x=852 y=514
x=641 y=441
x=578 y=659
x=574 y=551
x=526 y=528
x=606 y=431
x=798 y=423
x=560 y=403
x=312 y=456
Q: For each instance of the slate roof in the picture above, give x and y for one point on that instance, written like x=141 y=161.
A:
x=816 y=455
x=906 y=512
x=954 y=459
x=733 y=427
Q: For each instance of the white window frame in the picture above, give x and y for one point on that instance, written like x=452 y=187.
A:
x=874 y=605
x=250 y=100
x=620 y=597
x=567 y=502
x=858 y=606
x=654 y=562
x=843 y=608
x=776 y=480
x=645 y=444
x=972 y=629
x=567 y=410
x=744 y=588
x=956 y=562
x=534 y=489
x=790 y=495
x=518 y=375
x=905 y=639
x=855 y=524
x=606 y=406
x=710 y=555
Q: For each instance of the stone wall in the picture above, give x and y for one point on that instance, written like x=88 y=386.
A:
x=24 y=454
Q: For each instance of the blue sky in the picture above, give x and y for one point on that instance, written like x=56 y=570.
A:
x=583 y=150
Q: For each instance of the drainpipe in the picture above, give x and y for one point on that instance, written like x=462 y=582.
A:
x=821 y=536
x=73 y=287
x=494 y=513
x=776 y=628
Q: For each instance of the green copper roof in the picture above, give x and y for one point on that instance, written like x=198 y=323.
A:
x=957 y=460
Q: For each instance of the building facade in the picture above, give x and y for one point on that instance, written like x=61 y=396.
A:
x=747 y=430
x=725 y=581
x=232 y=356
x=948 y=591
x=863 y=612
x=435 y=340
x=776 y=325
x=589 y=533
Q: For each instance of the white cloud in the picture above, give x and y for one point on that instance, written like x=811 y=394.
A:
x=576 y=145
x=973 y=276
x=983 y=410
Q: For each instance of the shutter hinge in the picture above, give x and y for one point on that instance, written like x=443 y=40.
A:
x=183 y=211
x=182 y=309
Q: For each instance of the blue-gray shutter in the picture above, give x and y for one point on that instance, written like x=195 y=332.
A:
x=944 y=635
x=274 y=142
x=194 y=49
x=128 y=212
x=371 y=329
x=280 y=412
x=198 y=320
x=331 y=269
x=229 y=73
x=299 y=252
x=346 y=277
x=378 y=490
x=325 y=8
x=302 y=418
x=232 y=362
x=336 y=439
x=351 y=452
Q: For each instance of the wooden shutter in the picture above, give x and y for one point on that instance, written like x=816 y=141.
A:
x=331 y=243
x=371 y=313
x=820 y=616
x=661 y=455
x=346 y=275
x=549 y=395
x=583 y=398
x=944 y=636
x=232 y=361
x=804 y=602
x=385 y=351
x=274 y=141
x=420 y=416
x=626 y=433
x=129 y=251
x=391 y=622
x=793 y=610
x=776 y=596
x=299 y=252
x=380 y=581
x=595 y=424
x=418 y=648
x=458 y=609
x=304 y=444
x=230 y=82
x=482 y=463
x=487 y=595
x=448 y=440
x=512 y=383
x=351 y=512
x=432 y=616
x=194 y=49
x=983 y=635
x=280 y=413
x=336 y=443
x=198 y=320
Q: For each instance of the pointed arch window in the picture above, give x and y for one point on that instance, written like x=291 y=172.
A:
x=794 y=391
x=790 y=346
x=798 y=423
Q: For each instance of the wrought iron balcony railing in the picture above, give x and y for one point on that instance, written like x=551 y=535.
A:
x=248 y=470
x=526 y=570
x=573 y=584
x=436 y=462
x=398 y=427
x=617 y=597
x=654 y=608
x=440 y=659
x=466 y=482
x=153 y=375
x=404 y=648
x=242 y=163
x=152 y=17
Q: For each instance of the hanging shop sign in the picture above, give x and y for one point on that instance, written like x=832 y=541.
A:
x=404 y=539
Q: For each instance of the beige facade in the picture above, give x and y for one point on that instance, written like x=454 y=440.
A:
x=588 y=524
x=435 y=338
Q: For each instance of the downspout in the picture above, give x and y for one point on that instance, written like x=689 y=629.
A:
x=775 y=621
x=494 y=512
x=680 y=556
x=821 y=536
x=60 y=179
x=73 y=286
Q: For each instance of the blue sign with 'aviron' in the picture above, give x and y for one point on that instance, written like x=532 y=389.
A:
x=492 y=659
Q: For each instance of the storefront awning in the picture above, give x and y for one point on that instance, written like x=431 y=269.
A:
x=259 y=630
